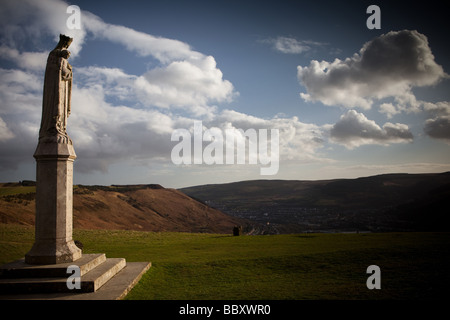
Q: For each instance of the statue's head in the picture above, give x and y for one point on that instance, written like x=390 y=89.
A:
x=64 y=41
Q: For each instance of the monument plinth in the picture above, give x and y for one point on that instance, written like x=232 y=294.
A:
x=54 y=166
x=54 y=205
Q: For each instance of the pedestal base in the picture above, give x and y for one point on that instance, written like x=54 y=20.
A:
x=44 y=252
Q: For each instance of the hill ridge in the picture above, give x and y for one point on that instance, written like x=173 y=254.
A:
x=385 y=202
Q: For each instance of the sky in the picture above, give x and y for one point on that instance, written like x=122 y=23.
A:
x=346 y=100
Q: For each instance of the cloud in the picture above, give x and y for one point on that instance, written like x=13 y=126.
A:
x=287 y=45
x=27 y=60
x=299 y=141
x=353 y=130
x=389 y=109
x=27 y=22
x=438 y=127
x=163 y=49
x=194 y=83
x=291 y=45
x=388 y=66
x=179 y=86
x=20 y=114
x=441 y=108
x=5 y=133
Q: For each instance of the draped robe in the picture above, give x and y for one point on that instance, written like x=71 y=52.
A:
x=56 y=98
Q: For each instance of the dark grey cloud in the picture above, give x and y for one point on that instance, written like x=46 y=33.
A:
x=438 y=127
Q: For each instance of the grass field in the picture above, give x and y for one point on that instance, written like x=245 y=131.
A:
x=298 y=266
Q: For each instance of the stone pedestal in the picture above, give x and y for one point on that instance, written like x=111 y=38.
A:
x=54 y=205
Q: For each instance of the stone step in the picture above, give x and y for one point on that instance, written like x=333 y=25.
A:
x=97 y=277
x=115 y=289
x=20 y=269
x=90 y=281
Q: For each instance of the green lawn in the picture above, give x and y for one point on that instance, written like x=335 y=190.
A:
x=299 y=266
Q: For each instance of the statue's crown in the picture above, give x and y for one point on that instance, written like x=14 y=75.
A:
x=65 y=39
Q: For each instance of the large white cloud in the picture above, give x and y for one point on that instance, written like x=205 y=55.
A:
x=196 y=83
x=388 y=66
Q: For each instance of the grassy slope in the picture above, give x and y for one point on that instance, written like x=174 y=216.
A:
x=302 y=266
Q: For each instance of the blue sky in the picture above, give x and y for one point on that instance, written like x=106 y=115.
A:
x=348 y=101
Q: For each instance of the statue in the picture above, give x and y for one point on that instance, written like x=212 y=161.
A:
x=54 y=166
x=54 y=253
x=57 y=94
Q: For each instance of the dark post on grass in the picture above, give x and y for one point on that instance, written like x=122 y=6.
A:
x=54 y=165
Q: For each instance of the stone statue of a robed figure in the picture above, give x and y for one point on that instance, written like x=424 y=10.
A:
x=57 y=94
x=54 y=165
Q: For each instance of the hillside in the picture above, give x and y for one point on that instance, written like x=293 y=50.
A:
x=136 y=207
x=389 y=202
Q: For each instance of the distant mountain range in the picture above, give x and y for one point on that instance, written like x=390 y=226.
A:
x=389 y=202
